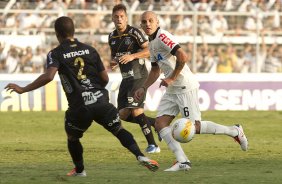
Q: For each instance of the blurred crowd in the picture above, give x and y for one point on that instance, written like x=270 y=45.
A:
x=216 y=18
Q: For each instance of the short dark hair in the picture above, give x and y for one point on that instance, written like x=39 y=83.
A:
x=64 y=27
x=119 y=7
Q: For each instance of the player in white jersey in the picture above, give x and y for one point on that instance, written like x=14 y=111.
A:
x=181 y=95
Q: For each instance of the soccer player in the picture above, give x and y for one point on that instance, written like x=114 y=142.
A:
x=181 y=91
x=128 y=49
x=83 y=78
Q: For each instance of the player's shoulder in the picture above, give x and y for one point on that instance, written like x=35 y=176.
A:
x=162 y=33
x=53 y=51
x=134 y=31
x=113 y=33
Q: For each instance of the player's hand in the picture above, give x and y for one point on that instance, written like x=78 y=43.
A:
x=139 y=94
x=113 y=64
x=125 y=59
x=14 y=88
x=166 y=82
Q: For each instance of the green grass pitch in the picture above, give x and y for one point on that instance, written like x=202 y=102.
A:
x=33 y=150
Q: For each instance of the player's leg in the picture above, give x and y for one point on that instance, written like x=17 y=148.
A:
x=132 y=111
x=144 y=124
x=111 y=122
x=75 y=127
x=191 y=110
x=167 y=110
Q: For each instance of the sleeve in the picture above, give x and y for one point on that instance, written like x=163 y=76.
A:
x=52 y=60
x=140 y=37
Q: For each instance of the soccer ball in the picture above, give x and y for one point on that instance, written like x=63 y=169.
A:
x=183 y=130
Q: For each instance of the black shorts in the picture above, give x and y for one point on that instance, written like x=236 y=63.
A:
x=126 y=93
x=79 y=120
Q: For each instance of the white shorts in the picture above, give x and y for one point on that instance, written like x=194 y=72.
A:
x=187 y=104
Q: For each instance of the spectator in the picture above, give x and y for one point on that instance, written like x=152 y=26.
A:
x=38 y=60
x=243 y=65
x=2 y=57
x=219 y=25
x=204 y=26
x=182 y=25
x=272 y=63
x=12 y=61
x=253 y=22
x=227 y=62
x=25 y=60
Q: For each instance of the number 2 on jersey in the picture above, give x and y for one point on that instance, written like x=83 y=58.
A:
x=79 y=61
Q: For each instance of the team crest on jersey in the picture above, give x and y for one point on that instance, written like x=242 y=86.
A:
x=113 y=42
x=127 y=41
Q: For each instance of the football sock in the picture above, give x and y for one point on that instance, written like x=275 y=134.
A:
x=127 y=140
x=175 y=146
x=143 y=123
x=209 y=127
x=76 y=150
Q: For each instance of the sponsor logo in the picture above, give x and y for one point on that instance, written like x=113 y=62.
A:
x=166 y=40
x=130 y=99
x=119 y=54
x=182 y=166
x=117 y=120
x=76 y=53
x=128 y=74
x=134 y=104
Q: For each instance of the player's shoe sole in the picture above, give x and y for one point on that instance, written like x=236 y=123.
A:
x=152 y=165
x=179 y=166
x=241 y=138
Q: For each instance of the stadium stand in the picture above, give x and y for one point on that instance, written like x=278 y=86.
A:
x=222 y=36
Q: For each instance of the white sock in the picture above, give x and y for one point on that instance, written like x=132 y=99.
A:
x=173 y=145
x=209 y=127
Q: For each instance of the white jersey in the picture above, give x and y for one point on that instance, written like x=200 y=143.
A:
x=161 y=48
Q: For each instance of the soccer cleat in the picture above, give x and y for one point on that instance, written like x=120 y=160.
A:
x=152 y=165
x=241 y=138
x=153 y=149
x=74 y=173
x=180 y=166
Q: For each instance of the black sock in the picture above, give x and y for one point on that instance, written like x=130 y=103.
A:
x=76 y=151
x=127 y=140
x=143 y=122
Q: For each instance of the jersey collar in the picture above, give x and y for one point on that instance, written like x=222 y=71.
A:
x=154 y=34
x=125 y=31
x=69 y=41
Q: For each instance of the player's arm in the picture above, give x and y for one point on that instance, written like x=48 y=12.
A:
x=181 y=58
x=152 y=77
x=104 y=78
x=42 y=80
x=144 y=53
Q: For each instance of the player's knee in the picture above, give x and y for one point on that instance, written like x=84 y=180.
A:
x=116 y=130
x=198 y=126
x=72 y=138
x=125 y=115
